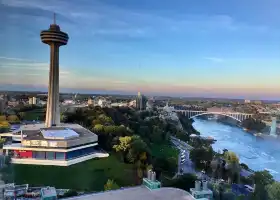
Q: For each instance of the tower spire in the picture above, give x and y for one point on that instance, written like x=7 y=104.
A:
x=54 y=18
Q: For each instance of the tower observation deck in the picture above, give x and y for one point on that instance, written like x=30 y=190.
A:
x=54 y=38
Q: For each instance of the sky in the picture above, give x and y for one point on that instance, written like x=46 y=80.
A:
x=195 y=48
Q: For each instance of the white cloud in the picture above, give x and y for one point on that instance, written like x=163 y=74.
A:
x=15 y=59
x=25 y=67
x=214 y=59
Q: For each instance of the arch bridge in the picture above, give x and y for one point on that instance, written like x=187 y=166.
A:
x=234 y=115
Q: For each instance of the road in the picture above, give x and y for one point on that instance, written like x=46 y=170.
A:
x=187 y=166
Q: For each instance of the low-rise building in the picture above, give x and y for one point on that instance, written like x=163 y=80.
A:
x=64 y=145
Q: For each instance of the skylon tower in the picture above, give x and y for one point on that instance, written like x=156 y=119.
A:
x=54 y=38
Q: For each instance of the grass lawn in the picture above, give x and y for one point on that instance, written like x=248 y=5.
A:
x=34 y=114
x=87 y=176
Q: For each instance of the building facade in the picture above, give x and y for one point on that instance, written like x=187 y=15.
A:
x=141 y=101
x=61 y=146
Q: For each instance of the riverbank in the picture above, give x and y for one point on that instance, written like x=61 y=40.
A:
x=257 y=154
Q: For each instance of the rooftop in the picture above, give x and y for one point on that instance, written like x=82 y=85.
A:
x=62 y=136
x=138 y=193
x=59 y=133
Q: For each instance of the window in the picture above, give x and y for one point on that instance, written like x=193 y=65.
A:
x=60 y=156
x=50 y=155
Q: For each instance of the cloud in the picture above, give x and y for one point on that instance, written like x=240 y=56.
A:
x=100 y=19
x=9 y=65
x=214 y=59
x=15 y=59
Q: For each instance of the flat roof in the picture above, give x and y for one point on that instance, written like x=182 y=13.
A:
x=59 y=134
x=63 y=135
x=138 y=193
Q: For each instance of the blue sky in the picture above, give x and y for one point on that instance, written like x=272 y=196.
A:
x=204 y=48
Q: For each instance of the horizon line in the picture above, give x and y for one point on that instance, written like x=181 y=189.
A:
x=132 y=94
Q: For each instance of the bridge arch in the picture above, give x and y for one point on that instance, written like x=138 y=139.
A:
x=213 y=113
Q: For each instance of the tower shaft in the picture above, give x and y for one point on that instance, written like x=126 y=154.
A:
x=53 y=112
x=54 y=38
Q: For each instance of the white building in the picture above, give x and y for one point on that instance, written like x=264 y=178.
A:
x=65 y=145
x=132 y=103
x=68 y=102
x=119 y=104
x=102 y=103
x=32 y=101
x=247 y=101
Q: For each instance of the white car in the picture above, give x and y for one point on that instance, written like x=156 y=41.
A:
x=183 y=160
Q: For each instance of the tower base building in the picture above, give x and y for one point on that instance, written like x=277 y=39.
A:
x=64 y=145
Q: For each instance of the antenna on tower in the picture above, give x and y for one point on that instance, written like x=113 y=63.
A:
x=54 y=18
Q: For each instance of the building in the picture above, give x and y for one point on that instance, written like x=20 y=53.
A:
x=68 y=102
x=53 y=143
x=247 y=101
x=258 y=102
x=63 y=145
x=201 y=192
x=132 y=103
x=121 y=104
x=32 y=101
x=90 y=101
x=13 y=103
x=141 y=101
x=150 y=105
x=102 y=102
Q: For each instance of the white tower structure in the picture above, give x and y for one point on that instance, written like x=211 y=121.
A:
x=54 y=38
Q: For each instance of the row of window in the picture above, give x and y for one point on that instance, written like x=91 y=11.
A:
x=61 y=155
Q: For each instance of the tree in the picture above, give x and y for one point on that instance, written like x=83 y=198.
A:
x=3 y=118
x=98 y=128
x=253 y=124
x=105 y=119
x=231 y=157
x=2 y=141
x=138 y=145
x=111 y=185
x=261 y=179
x=273 y=191
x=13 y=118
x=201 y=155
x=110 y=129
x=21 y=114
x=184 y=182
x=124 y=144
x=233 y=166
x=70 y=193
x=4 y=126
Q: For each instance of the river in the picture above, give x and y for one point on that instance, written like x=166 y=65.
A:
x=258 y=154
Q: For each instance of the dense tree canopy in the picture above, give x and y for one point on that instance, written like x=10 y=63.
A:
x=200 y=156
x=253 y=124
x=261 y=179
x=273 y=191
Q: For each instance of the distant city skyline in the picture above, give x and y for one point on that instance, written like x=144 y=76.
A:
x=227 y=49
